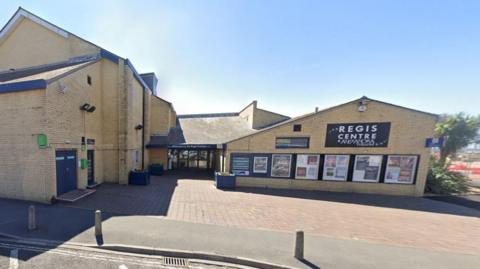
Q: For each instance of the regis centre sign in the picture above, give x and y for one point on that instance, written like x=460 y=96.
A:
x=371 y=134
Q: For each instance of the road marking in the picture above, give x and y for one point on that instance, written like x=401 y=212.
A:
x=123 y=266
x=13 y=259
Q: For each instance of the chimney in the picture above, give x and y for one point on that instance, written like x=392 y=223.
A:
x=316 y=109
x=151 y=80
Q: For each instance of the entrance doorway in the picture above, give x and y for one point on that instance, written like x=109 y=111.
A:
x=91 y=167
x=190 y=159
x=66 y=167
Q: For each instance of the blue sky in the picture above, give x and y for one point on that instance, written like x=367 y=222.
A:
x=291 y=56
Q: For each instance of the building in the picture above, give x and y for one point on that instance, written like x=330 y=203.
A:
x=198 y=141
x=364 y=146
x=72 y=113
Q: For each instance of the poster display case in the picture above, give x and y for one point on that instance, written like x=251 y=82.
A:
x=307 y=166
x=260 y=165
x=281 y=165
x=241 y=165
x=401 y=169
x=367 y=168
x=335 y=167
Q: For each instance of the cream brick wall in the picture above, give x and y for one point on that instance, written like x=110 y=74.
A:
x=407 y=136
x=39 y=45
x=258 y=118
x=24 y=168
x=161 y=116
x=66 y=123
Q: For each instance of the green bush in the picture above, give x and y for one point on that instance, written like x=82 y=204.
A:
x=442 y=181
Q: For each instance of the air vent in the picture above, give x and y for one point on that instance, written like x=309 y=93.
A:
x=177 y=262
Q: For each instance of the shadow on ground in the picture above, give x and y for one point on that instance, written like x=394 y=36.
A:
x=61 y=222
x=399 y=202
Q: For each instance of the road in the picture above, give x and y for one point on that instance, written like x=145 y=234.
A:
x=15 y=255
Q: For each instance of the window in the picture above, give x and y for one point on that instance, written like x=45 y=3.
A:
x=297 y=127
x=292 y=142
x=335 y=167
x=400 y=169
x=367 y=168
x=89 y=80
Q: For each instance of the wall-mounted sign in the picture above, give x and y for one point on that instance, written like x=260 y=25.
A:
x=372 y=134
x=90 y=141
x=241 y=166
x=435 y=142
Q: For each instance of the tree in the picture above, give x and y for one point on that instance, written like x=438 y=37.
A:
x=459 y=129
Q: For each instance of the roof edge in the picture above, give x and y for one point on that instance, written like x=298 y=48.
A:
x=208 y=115
x=37 y=84
x=305 y=116
x=71 y=71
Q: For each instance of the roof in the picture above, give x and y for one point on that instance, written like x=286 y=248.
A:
x=23 y=13
x=328 y=109
x=213 y=129
x=38 y=77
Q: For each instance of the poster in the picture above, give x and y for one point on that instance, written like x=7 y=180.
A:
x=335 y=167
x=371 y=134
x=307 y=166
x=400 y=169
x=367 y=168
x=281 y=165
x=260 y=165
x=241 y=166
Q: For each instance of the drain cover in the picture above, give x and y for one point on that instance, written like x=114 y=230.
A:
x=178 y=262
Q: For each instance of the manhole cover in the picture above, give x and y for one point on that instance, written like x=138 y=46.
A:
x=178 y=262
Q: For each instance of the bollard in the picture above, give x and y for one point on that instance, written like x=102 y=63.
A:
x=98 y=223
x=299 y=238
x=32 y=225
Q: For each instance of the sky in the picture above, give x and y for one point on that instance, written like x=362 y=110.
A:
x=291 y=56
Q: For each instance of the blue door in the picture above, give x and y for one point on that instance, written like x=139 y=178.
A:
x=66 y=161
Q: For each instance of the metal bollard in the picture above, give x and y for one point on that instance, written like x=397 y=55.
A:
x=98 y=223
x=32 y=225
x=299 y=241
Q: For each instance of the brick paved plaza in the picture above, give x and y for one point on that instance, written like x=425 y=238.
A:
x=406 y=221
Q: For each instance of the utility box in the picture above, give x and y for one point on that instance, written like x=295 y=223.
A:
x=83 y=163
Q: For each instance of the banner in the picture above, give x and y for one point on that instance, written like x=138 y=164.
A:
x=374 y=134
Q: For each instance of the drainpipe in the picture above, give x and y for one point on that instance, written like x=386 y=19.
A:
x=143 y=130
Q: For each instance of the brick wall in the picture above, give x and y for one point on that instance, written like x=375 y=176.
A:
x=407 y=136
x=32 y=44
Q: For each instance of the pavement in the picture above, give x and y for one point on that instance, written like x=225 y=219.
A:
x=74 y=226
x=20 y=255
x=391 y=220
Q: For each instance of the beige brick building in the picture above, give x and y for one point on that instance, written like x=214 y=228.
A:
x=360 y=146
x=51 y=81
x=74 y=115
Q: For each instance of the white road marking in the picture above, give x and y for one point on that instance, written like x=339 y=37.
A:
x=13 y=259
x=123 y=266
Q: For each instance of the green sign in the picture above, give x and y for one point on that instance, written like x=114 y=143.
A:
x=42 y=141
